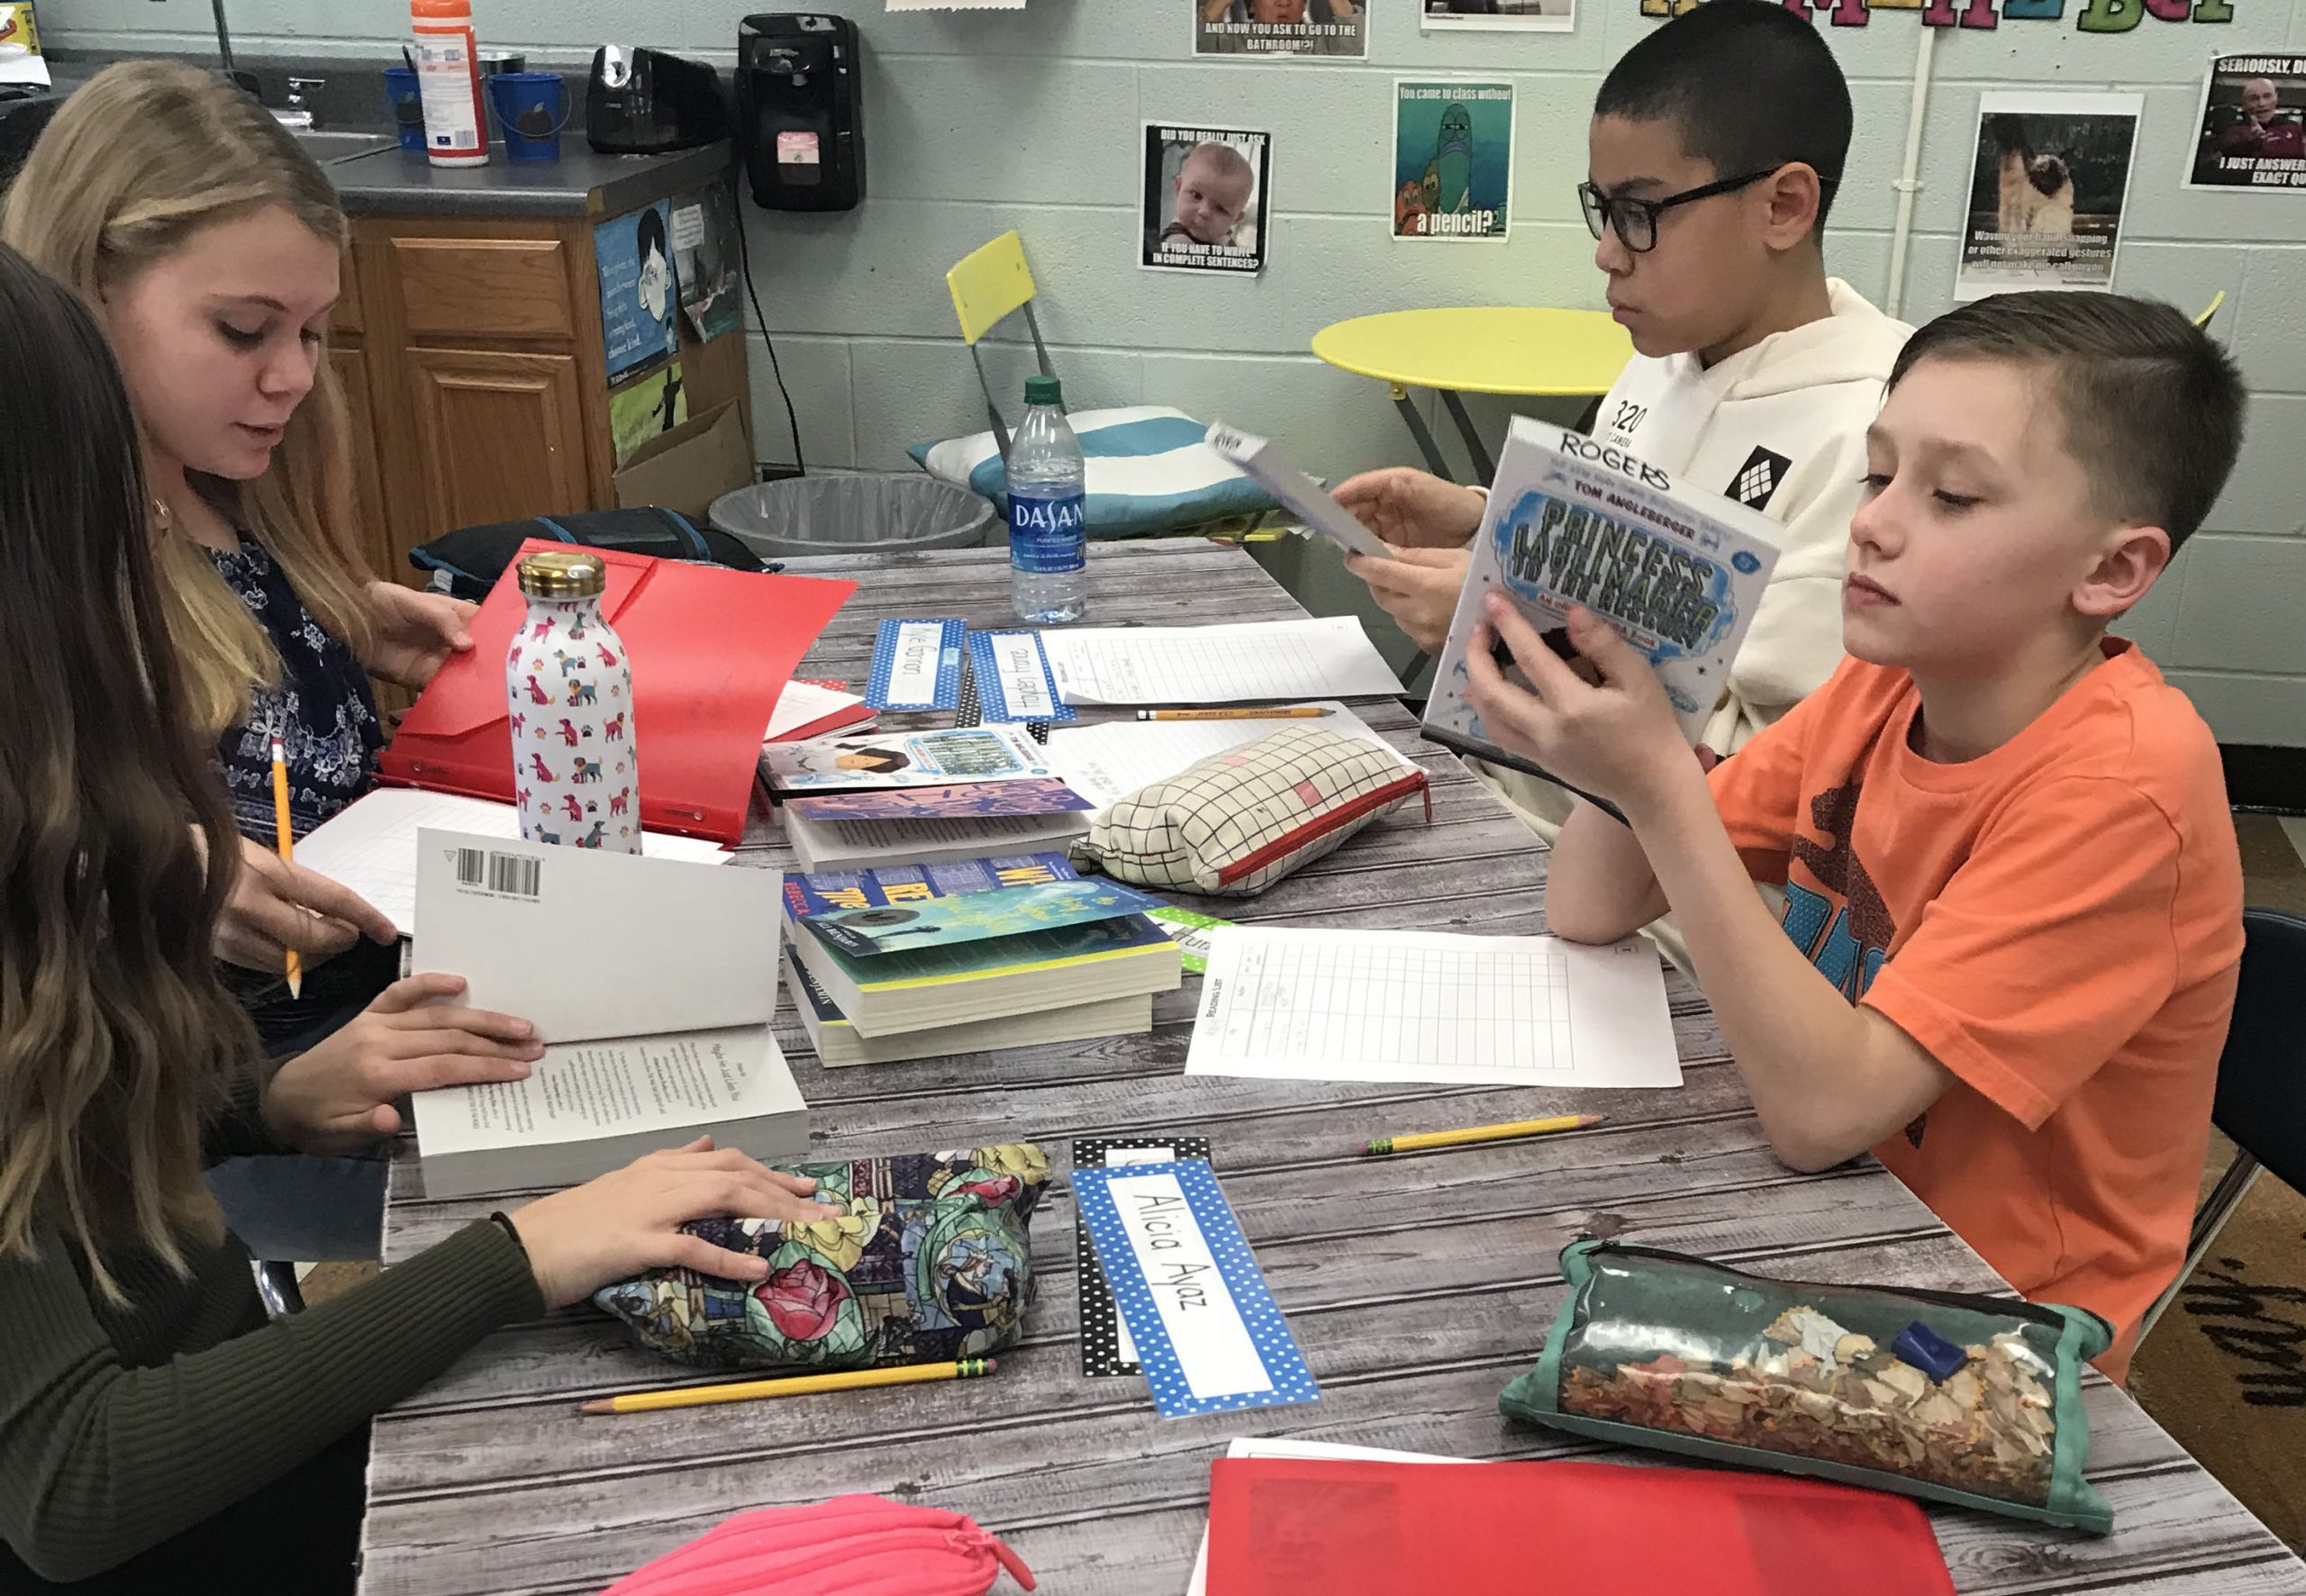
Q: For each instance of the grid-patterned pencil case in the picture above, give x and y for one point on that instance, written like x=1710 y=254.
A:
x=1238 y=821
x=1963 y=1399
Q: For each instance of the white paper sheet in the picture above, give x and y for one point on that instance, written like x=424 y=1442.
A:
x=1266 y=660
x=1106 y=763
x=1316 y=1451
x=801 y=703
x=1285 y=1003
x=370 y=846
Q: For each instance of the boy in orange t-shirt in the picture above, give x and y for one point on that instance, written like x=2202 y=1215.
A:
x=2013 y=896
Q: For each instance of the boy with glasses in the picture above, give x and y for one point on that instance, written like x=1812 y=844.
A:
x=1716 y=145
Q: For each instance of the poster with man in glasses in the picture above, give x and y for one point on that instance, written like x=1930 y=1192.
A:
x=2252 y=133
x=2046 y=191
x=1453 y=159
x=1332 y=28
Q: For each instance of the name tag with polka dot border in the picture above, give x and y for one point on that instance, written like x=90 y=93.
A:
x=1207 y=1333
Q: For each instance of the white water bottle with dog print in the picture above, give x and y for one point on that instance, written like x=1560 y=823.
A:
x=576 y=771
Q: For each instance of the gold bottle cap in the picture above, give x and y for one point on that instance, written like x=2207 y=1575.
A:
x=563 y=574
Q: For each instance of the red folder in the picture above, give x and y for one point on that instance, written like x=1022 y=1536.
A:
x=1284 y=1527
x=711 y=649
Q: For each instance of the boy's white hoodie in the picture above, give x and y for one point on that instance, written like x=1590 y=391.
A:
x=1780 y=427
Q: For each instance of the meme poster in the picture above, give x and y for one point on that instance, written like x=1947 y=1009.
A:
x=648 y=408
x=2252 y=131
x=704 y=260
x=1205 y=196
x=1525 y=16
x=1453 y=159
x=2046 y=191
x=1338 y=29
x=635 y=253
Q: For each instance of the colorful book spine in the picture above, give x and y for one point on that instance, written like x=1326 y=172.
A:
x=889 y=885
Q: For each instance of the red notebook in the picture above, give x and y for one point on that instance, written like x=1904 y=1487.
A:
x=711 y=649
x=1281 y=1527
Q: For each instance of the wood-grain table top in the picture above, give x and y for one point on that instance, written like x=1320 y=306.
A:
x=1417 y=1285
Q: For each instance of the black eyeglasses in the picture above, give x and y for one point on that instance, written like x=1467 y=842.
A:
x=1635 y=220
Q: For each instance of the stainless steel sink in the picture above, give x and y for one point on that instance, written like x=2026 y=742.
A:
x=328 y=149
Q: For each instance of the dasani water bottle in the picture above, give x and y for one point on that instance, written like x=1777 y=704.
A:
x=1048 y=567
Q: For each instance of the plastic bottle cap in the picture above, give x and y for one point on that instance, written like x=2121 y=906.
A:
x=1044 y=390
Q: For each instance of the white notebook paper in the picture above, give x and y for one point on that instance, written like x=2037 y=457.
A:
x=1285 y=1004
x=1327 y=657
x=370 y=846
x=1108 y=762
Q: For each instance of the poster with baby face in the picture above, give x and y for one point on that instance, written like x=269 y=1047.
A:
x=638 y=293
x=2252 y=131
x=1453 y=159
x=1205 y=194
x=2047 y=188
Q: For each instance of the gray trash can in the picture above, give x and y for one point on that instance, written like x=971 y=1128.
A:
x=884 y=512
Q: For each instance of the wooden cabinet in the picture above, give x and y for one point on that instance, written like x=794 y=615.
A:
x=350 y=363
x=469 y=351
x=500 y=435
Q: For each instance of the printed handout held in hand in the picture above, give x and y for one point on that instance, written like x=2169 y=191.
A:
x=1273 y=471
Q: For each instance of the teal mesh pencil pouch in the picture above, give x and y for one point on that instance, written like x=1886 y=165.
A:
x=1963 y=1399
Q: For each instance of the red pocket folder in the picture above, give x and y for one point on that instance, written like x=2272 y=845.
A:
x=711 y=649
x=1284 y=1527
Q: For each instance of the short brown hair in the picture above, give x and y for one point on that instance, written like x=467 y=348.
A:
x=2151 y=408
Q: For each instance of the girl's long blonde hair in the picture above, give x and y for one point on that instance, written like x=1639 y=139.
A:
x=115 y=1040
x=144 y=156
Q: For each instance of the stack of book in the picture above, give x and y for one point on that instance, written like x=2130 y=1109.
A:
x=917 y=961
x=906 y=797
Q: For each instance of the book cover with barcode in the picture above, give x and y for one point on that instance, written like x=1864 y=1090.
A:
x=1676 y=570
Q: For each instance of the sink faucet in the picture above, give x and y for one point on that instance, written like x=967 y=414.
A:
x=298 y=113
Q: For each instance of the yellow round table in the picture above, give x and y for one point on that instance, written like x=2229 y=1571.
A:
x=1526 y=350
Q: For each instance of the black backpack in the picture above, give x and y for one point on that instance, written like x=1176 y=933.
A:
x=466 y=563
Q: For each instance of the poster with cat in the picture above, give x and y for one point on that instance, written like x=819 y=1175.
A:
x=2048 y=189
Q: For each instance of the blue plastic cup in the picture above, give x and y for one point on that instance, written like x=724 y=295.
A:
x=532 y=108
x=405 y=100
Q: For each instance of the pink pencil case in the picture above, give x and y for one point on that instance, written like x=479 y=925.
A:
x=852 y=1545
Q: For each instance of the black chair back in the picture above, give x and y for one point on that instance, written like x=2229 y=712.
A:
x=2262 y=1075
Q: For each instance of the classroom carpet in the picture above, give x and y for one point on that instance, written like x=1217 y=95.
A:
x=2225 y=1370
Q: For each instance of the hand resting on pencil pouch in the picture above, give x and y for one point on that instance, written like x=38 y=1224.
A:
x=929 y=1261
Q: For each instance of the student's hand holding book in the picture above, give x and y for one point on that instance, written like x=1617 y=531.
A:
x=339 y=1096
x=1609 y=733
x=1431 y=522
x=630 y=1220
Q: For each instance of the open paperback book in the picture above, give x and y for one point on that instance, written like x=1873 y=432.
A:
x=652 y=983
x=1674 y=569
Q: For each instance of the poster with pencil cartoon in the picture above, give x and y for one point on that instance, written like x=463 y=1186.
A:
x=1453 y=159
x=1674 y=570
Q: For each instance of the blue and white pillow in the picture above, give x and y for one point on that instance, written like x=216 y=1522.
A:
x=1149 y=471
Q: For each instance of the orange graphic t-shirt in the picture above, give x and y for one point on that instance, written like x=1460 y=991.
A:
x=2058 y=923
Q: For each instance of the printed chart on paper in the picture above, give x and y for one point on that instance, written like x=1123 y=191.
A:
x=1405 y=1006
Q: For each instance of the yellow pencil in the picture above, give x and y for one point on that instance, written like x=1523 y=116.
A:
x=287 y=849
x=1302 y=711
x=1458 y=1139
x=745 y=1391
